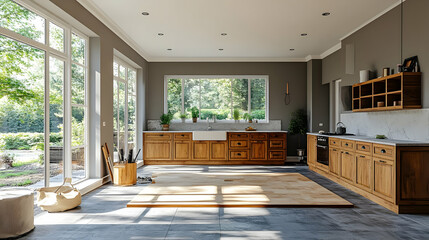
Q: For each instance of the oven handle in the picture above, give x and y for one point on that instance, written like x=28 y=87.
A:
x=320 y=146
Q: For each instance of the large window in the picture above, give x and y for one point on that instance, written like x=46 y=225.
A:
x=124 y=107
x=217 y=96
x=43 y=78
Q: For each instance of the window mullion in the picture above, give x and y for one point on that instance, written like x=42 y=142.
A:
x=199 y=102
x=249 y=96
x=183 y=96
x=232 y=100
x=67 y=109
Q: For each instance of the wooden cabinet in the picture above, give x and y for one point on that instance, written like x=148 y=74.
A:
x=258 y=150
x=348 y=166
x=383 y=178
x=218 y=150
x=157 y=150
x=334 y=161
x=240 y=148
x=182 y=150
x=364 y=171
x=201 y=150
x=311 y=150
x=383 y=151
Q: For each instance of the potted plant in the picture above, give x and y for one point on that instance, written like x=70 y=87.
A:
x=165 y=121
x=183 y=116
x=298 y=126
x=236 y=115
x=248 y=117
x=195 y=114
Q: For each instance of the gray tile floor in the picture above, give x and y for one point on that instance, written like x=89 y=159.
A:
x=103 y=215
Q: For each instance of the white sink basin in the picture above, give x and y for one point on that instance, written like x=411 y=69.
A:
x=209 y=136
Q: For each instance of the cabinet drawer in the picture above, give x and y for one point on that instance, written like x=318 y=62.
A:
x=157 y=136
x=348 y=145
x=384 y=151
x=334 y=142
x=238 y=155
x=364 y=147
x=278 y=143
x=182 y=136
x=238 y=136
x=238 y=143
x=278 y=135
x=277 y=155
x=258 y=136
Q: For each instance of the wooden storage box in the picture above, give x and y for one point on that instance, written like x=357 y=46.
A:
x=125 y=174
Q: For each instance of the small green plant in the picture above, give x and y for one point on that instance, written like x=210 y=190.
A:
x=184 y=115
x=247 y=116
x=195 y=112
x=166 y=118
x=236 y=114
x=7 y=159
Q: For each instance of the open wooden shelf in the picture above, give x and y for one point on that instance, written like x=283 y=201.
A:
x=394 y=92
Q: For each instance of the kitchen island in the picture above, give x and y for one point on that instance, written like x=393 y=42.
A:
x=236 y=148
x=392 y=173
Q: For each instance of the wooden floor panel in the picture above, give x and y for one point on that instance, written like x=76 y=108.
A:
x=235 y=190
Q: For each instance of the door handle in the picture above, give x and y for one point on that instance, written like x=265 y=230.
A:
x=382 y=161
x=276 y=155
x=346 y=152
x=239 y=154
x=161 y=135
x=362 y=156
x=276 y=144
x=239 y=143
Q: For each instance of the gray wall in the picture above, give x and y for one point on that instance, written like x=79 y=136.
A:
x=378 y=45
x=108 y=42
x=317 y=97
x=279 y=74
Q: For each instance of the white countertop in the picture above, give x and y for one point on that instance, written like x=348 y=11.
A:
x=392 y=142
x=259 y=131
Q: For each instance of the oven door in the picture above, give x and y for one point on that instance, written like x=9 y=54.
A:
x=323 y=154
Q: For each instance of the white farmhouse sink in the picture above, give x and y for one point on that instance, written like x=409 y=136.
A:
x=209 y=136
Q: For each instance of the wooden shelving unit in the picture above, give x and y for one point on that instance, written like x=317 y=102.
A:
x=394 y=92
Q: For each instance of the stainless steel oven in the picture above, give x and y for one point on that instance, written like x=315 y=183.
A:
x=323 y=150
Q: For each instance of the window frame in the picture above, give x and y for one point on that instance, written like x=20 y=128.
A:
x=248 y=77
x=67 y=105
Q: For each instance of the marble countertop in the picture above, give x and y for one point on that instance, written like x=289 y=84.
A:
x=392 y=142
x=259 y=131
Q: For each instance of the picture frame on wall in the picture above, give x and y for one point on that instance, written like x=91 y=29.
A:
x=411 y=64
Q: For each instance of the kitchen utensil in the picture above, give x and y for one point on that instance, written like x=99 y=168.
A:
x=341 y=128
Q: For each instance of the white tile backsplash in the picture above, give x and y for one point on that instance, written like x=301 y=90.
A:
x=401 y=125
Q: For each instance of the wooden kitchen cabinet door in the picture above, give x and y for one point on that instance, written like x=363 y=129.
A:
x=383 y=178
x=258 y=150
x=363 y=171
x=348 y=166
x=157 y=150
x=334 y=161
x=201 y=150
x=312 y=149
x=182 y=150
x=219 y=150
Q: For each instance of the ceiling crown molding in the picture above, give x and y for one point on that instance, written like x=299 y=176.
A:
x=100 y=15
x=226 y=59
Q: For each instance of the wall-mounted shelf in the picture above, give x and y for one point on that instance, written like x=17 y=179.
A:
x=394 y=92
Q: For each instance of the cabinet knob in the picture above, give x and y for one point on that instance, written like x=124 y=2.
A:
x=239 y=143
x=161 y=135
x=347 y=144
x=334 y=142
x=346 y=152
x=362 y=156
x=239 y=154
x=182 y=135
x=363 y=147
x=383 y=151
x=382 y=161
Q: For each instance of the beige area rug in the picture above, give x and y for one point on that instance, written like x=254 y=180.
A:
x=235 y=190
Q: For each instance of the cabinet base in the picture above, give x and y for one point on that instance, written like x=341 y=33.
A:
x=218 y=162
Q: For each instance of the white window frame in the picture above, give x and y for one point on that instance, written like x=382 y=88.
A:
x=66 y=57
x=248 y=77
x=127 y=66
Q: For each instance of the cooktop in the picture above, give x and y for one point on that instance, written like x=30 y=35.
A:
x=337 y=134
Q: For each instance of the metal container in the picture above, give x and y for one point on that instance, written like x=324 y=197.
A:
x=341 y=128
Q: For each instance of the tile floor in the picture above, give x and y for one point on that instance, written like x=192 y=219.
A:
x=103 y=215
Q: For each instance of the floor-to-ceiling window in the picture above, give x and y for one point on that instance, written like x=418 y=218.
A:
x=43 y=77
x=124 y=108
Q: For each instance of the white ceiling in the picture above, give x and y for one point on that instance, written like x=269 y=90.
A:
x=258 y=30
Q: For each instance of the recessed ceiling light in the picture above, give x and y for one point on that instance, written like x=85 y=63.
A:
x=292 y=49
x=223 y=34
x=169 y=49
x=220 y=49
x=325 y=14
x=145 y=13
x=304 y=34
x=160 y=34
